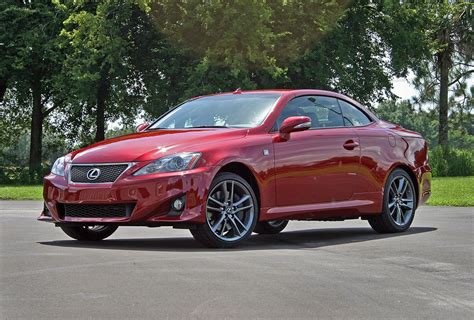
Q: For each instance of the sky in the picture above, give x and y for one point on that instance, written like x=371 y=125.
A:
x=403 y=88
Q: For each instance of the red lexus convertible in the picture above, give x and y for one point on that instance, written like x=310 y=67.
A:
x=230 y=164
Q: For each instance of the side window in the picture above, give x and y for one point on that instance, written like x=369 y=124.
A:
x=353 y=117
x=324 y=112
x=328 y=112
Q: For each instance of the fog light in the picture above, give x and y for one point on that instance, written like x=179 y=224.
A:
x=178 y=204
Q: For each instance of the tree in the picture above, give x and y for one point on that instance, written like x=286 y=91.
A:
x=407 y=115
x=461 y=118
x=30 y=62
x=246 y=44
x=246 y=35
x=450 y=30
x=372 y=43
x=96 y=62
x=116 y=63
x=355 y=47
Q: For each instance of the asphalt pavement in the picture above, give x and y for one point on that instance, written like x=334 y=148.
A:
x=313 y=270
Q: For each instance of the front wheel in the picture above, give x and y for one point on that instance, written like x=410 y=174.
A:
x=399 y=204
x=89 y=233
x=231 y=212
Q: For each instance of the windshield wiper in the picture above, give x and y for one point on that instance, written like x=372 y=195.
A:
x=196 y=127
x=207 y=127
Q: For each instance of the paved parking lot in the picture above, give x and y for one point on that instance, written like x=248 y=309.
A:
x=333 y=270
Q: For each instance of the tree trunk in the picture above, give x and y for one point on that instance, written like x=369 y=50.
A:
x=102 y=96
x=444 y=65
x=3 y=88
x=443 y=103
x=36 y=134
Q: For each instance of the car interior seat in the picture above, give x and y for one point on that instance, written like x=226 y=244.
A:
x=334 y=119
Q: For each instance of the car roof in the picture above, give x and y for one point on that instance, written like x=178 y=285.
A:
x=286 y=92
x=298 y=92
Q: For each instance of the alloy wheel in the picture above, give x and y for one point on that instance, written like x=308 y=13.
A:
x=230 y=210
x=401 y=200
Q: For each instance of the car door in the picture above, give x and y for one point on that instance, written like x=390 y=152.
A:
x=376 y=148
x=317 y=165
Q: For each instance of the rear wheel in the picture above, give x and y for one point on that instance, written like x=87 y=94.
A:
x=270 y=227
x=89 y=233
x=231 y=212
x=399 y=204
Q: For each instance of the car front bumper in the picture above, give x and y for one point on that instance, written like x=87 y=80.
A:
x=150 y=197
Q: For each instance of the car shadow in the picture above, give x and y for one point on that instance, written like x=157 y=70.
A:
x=299 y=239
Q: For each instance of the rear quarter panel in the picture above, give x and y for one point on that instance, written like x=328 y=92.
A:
x=384 y=148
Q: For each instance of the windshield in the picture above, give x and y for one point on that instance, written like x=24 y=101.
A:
x=229 y=110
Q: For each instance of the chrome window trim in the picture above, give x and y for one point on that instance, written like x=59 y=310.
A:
x=70 y=165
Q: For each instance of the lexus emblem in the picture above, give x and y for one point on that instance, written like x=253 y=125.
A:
x=93 y=174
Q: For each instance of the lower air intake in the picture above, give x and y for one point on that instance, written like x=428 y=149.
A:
x=96 y=210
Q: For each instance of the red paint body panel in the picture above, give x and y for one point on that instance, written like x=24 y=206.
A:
x=316 y=158
x=146 y=146
x=313 y=174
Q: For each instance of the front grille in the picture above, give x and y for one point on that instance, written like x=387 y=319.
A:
x=96 y=210
x=107 y=173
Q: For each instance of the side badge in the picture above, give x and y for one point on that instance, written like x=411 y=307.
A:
x=392 y=141
x=266 y=152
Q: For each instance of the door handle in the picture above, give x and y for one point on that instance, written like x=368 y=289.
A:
x=350 y=144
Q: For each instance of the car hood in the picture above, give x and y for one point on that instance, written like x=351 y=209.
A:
x=152 y=145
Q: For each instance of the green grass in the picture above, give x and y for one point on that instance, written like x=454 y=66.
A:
x=452 y=191
x=21 y=192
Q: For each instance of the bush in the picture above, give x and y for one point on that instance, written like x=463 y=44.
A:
x=21 y=175
x=451 y=162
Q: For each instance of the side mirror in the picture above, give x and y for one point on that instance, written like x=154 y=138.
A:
x=294 y=124
x=142 y=127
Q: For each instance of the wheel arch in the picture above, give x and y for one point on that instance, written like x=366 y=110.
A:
x=246 y=173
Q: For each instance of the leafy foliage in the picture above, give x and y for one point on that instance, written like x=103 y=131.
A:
x=451 y=162
x=247 y=35
x=367 y=47
x=70 y=68
x=411 y=117
x=29 y=51
x=449 y=27
x=424 y=120
x=458 y=159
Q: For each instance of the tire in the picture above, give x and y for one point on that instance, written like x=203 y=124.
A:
x=89 y=233
x=270 y=227
x=231 y=212
x=399 y=204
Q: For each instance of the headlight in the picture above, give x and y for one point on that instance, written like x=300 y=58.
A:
x=171 y=163
x=58 y=167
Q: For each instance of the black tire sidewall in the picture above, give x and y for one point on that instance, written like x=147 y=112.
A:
x=264 y=227
x=83 y=234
